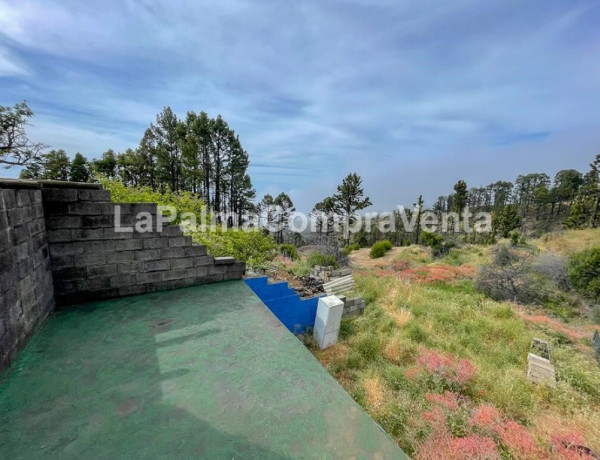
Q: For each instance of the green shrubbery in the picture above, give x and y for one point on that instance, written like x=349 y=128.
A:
x=439 y=246
x=183 y=202
x=378 y=250
x=316 y=258
x=351 y=247
x=252 y=247
x=584 y=272
x=289 y=250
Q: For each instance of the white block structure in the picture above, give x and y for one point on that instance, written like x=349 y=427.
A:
x=327 y=321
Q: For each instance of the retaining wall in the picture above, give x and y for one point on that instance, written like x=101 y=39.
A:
x=26 y=292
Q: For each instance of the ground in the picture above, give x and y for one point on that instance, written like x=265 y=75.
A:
x=443 y=368
x=201 y=372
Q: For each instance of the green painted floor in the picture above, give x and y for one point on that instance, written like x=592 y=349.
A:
x=201 y=372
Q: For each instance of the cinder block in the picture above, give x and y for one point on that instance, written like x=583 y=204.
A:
x=85 y=208
x=147 y=255
x=92 y=247
x=146 y=278
x=224 y=260
x=95 y=284
x=195 y=250
x=178 y=274
x=128 y=245
x=120 y=257
x=327 y=321
x=58 y=236
x=63 y=195
x=35 y=227
x=216 y=269
x=9 y=198
x=156 y=265
x=172 y=253
x=15 y=216
x=66 y=249
x=112 y=234
x=93 y=195
x=179 y=242
x=172 y=230
x=203 y=261
x=122 y=280
x=233 y=275
x=89 y=259
x=132 y=290
x=109 y=270
x=155 y=243
x=137 y=267
x=177 y=264
x=62 y=262
x=99 y=221
x=70 y=273
x=61 y=222
x=201 y=272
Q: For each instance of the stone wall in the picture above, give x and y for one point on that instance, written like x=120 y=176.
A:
x=59 y=246
x=91 y=260
x=26 y=292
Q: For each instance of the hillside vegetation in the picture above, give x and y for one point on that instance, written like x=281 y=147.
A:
x=443 y=368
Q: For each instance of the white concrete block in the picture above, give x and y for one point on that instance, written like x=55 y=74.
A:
x=327 y=321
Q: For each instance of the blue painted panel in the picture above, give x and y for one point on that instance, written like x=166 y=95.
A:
x=296 y=314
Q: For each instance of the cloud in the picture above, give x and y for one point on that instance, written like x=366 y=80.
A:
x=411 y=95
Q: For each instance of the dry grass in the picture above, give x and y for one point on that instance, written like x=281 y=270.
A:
x=570 y=241
x=375 y=392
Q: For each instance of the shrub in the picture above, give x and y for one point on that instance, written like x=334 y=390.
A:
x=252 y=247
x=584 y=272
x=289 y=250
x=439 y=246
x=387 y=244
x=377 y=250
x=316 y=258
x=351 y=247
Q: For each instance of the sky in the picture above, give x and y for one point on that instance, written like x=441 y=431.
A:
x=410 y=95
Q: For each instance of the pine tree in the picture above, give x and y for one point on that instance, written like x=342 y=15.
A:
x=79 y=171
x=348 y=200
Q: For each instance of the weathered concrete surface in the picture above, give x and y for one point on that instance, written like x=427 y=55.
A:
x=201 y=372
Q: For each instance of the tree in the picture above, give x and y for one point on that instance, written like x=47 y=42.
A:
x=107 y=165
x=507 y=220
x=283 y=208
x=79 y=171
x=419 y=210
x=348 y=200
x=322 y=212
x=461 y=196
x=15 y=147
x=168 y=133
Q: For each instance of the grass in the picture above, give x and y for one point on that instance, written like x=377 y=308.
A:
x=408 y=359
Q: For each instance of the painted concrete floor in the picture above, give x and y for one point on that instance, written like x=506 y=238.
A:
x=201 y=372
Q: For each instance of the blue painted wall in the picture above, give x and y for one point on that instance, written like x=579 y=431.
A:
x=296 y=314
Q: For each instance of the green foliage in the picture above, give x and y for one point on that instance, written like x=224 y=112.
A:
x=378 y=250
x=15 y=147
x=183 y=202
x=584 y=272
x=79 y=171
x=252 y=247
x=351 y=247
x=289 y=250
x=387 y=244
x=317 y=258
x=439 y=246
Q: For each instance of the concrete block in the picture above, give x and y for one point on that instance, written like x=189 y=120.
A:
x=540 y=370
x=87 y=234
x=112 y=234
x=58 y=236
x=178 y=242
x=155 y=243
x=136 y=208
x=63 y=195
x=201 y=272
x=204 y=260
x=89 y=259
x=137 y=267
x=70 y=273
x=89 y=208
x=172 y=253
x=15 y=216
x=66 y=249
x=224 y=260
x=20 y=233
x=96 y=271
x=132 y=290
x=122 y=280
x=156 y=265
x=148 y=278
x=99 y=221
x=9 y=198
x=61 y=222
x=120 y=257
x=93 y=195
x=172 y=230
x=216 y=269
x=177 y=264
x=92 y=247
x=195 y=250
x=147 y=255
x=178 y=274
x=62 y=261
x=327 y=321
x=35 y=227
x=94 y=284
x=129 y=245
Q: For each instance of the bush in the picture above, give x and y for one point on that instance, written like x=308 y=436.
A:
x=351 y=247
x=387 y=244
x=289 y=250
x=439 y=246
x=252 y=247
x=316 y=258
x=378 y=250
x=584 y=272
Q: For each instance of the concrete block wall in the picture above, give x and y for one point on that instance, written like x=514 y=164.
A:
x=26 y=291
x=91 y=260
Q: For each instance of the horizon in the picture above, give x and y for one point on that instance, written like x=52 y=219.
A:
x=411 y=97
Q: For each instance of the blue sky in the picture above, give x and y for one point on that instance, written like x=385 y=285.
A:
x=411 y=95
